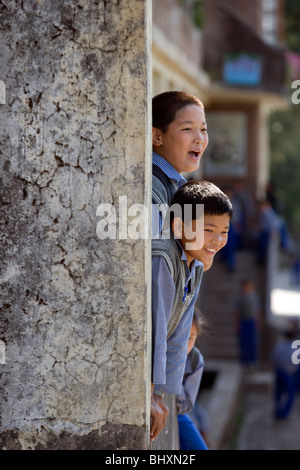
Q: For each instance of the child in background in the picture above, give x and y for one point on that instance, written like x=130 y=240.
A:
x=177 y=266
x=179 y=137
x=248 y=322
x=190 y=437
x=286 y=373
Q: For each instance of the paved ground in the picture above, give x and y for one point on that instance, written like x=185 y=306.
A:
x=258 y=430
x=240 y=404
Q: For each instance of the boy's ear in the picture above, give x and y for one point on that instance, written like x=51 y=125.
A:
x=156 y=137
x=177 y=227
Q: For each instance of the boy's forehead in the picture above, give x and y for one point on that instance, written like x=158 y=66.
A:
x=216 y=220
x=190 y=122
x=190 y=113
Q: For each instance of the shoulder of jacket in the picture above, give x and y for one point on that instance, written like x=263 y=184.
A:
x=196 y=358
x=159 y=188
x=168 y=249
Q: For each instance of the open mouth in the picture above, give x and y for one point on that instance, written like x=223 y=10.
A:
x=194 y=155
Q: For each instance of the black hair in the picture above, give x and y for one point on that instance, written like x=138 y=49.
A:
x=167 y=104
x=198 y=320
x=193 y=193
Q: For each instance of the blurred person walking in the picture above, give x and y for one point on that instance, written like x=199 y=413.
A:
x=286 y=375
x=248 y=322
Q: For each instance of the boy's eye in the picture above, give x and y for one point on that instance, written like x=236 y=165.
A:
x=187 y=129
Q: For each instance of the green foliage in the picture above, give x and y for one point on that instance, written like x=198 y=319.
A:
x=285 y=135
x=199 y=13
x=285 y=162
x=292 y=24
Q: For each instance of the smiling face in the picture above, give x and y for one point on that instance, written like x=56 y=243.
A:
x=190 y=236
x=185 y=140
x=216 y=229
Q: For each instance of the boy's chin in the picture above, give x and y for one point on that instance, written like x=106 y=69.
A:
x=192 y=166
x=207 y=266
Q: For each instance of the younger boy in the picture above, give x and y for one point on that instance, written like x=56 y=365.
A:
x=190 y=437
x=179 y=137
x=177 y=267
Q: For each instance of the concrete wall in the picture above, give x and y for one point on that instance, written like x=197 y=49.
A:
x=75 y=133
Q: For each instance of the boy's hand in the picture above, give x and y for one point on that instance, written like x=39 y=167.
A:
x=159 y=414
x=163 y=407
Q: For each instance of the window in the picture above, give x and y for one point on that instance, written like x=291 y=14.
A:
x=269 y=20
x=270 y=5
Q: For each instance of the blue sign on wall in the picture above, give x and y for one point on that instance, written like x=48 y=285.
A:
x=242 y=69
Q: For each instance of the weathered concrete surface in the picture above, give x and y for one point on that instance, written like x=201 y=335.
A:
x=75 y=309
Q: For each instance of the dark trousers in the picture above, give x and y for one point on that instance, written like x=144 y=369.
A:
x=284 y=393
x=189 y=435
x=248 y=337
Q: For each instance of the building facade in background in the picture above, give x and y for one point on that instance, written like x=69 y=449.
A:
x=235 y=63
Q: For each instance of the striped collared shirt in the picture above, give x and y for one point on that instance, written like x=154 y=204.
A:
x=173 y=174
x=168 y=169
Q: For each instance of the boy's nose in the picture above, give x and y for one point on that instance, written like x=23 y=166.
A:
x=217 y=239
x=199 y=138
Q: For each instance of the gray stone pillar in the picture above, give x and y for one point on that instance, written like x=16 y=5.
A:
x=75 y=134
